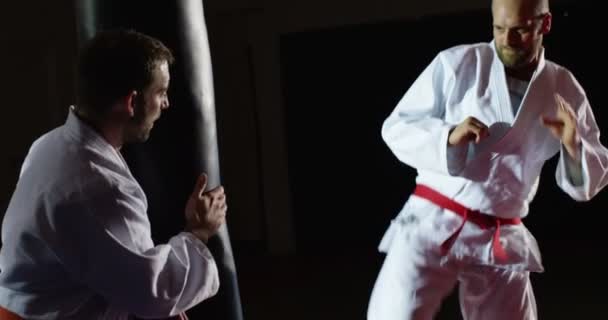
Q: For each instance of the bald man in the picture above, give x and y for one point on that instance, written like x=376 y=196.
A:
x=478 y=125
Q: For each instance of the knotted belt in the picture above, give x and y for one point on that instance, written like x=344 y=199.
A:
x=483 y=221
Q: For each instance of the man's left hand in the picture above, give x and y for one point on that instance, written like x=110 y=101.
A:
x=563 y=127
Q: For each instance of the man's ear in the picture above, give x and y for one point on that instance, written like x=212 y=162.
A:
x=547 y=20
x=131 y=102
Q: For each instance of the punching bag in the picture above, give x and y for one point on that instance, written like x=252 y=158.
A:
x=184 y=141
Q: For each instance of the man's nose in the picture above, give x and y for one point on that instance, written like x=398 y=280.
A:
x=512 y=38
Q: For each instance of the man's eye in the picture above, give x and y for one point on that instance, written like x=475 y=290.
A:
x=523 y=31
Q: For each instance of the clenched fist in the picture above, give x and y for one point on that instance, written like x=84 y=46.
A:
x=205 y=210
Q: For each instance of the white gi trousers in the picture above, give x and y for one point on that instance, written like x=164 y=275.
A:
x=413 y=281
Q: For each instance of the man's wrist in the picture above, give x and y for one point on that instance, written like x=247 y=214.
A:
x=574 y=151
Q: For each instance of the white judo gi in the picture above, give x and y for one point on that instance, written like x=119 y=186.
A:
x=76 y=240
x=497 y=177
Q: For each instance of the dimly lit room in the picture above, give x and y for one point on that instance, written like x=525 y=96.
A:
x=283 y=104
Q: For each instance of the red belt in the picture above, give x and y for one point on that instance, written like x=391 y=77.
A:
x=484 y=221
x=8 y=315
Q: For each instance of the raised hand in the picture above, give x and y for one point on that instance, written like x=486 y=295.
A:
x=471 y=129
x=563 y=127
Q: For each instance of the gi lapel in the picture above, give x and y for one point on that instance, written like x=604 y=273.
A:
x=534 y=102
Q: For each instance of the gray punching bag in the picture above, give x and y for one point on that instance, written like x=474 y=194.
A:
x=184 y=140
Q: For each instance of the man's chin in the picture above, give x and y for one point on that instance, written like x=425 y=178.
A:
x=513 y=61
x=144 y=137
x=140 y=138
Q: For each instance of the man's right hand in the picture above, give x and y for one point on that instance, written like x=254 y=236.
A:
x=470 y=129
x=205 y=210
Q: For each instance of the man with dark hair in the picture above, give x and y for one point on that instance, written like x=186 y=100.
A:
x=478 y=125
x=76 y=237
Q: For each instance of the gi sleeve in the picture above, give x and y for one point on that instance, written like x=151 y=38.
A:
x=583 y=181
x=104 y=242
x=416 y=131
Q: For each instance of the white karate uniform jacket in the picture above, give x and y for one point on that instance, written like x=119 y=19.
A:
x=500 y=175
x=76 y=241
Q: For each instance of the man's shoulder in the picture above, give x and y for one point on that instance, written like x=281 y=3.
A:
x=47 y=138
x=468 y=57
x=558 y=68
x=460 y=54
x=82 y=180
x=468 y=47
x=60 y=166
x=565 y=79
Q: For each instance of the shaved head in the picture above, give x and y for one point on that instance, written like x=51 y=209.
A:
x=532 y=7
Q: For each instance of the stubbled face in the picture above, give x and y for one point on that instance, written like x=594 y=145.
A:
x=149 y=105
x=518 y=32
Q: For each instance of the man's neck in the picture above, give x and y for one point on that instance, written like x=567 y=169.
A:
x=112 y=134
x=524 y=73
x=520 y=74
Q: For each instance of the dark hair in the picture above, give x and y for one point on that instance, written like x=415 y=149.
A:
x=112 y=64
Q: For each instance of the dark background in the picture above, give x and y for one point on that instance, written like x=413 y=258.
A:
x=302 y=88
